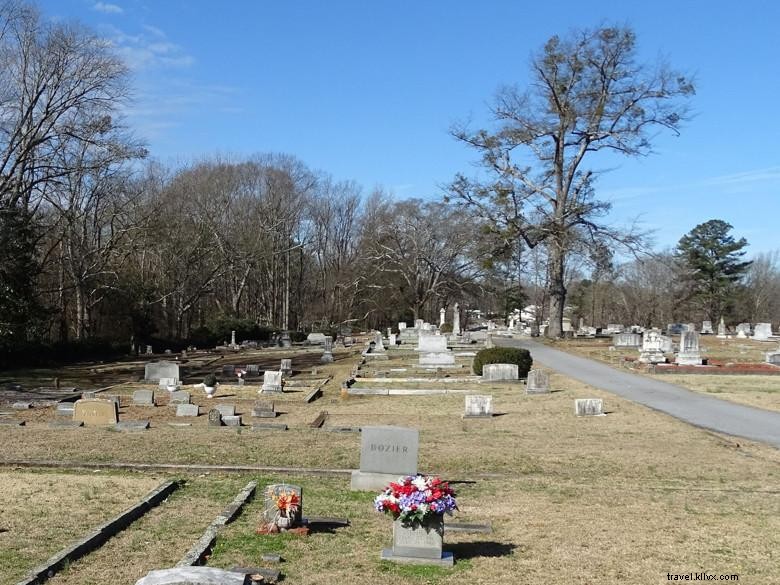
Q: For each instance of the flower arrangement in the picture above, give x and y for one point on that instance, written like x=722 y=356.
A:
x=413 y=499
x=287 y=503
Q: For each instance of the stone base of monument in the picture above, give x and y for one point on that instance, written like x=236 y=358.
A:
x=652 y=357
x=689 y=359
x=367 y=481
x=447 y=559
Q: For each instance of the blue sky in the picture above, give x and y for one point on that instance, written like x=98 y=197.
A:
x=368 y=90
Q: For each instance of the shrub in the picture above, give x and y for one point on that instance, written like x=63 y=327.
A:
x=446 y=328
x=210 y=380
x=504 y=355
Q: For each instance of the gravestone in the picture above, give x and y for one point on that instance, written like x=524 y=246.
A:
x=226 y=409
x=252 y=370
x=401 y=326
x=392 y=340
x=193 y=576
x=689 y=354
x=143 y=397
x=436 y=360
x=762 y=332
x=264 y=409
x=418 y=324
x=22 y=405
x=456 y=320
x=232 y=420
x=538 y=382
x=96 y=411
x=652 y=350
x=285 y=340
x=614 y=328
x=627 y=340
x=270 y=508
x=149 y=350
x=180 y=397
x=156 y=370
x=743 y=330
x=165 y=382
x=478 y=406
x=442 y=316
x=489 y=341
x=327 y=351
x=722 y=329
x=272 y=381
x=228 y=370
x=286 y=367
x=432 y=343
x=773 y=357
x=386 y=453
x=64 y=409
x=589 y=407
x=187 y=410
x=215 y=418
x=316 y=338
x=500 y=372
x=420 y=545
x=379 y=347
x=706 y=328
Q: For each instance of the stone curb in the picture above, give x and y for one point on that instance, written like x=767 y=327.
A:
x=176 y=467
x=99 y=535
x=206 y=541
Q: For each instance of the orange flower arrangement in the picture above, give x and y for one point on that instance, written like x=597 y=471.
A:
x=287 y=502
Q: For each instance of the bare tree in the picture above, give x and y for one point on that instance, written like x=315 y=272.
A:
x=587 y=95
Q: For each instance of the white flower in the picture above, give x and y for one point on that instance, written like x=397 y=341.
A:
x=420 y=483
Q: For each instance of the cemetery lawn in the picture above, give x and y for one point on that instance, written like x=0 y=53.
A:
x=627 y=497
x=758 y=391
x=42 y=512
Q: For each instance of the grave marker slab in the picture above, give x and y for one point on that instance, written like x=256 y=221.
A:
x=180 y=397
x=272 y=381
x=156 y=370
x=143 y=398
x=386 y=452
x=132 y=425
x=263 y=409
x=538 y=382
x=286 y=367
x=589 y=407
x=96 y=411
x=64 y=409
x=215 y=418
x=226 y=409
x=231 y=420
x=193 y=576
x=500 y=372
x=478 y=406
x=187 y=410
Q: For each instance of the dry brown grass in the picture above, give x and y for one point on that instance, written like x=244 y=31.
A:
x=42 y=512
x=626 y=497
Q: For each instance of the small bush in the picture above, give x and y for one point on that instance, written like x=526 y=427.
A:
x=504 y=355
x=446 y=328
x=210 y=380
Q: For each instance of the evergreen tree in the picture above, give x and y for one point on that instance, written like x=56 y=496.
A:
x=713 y=262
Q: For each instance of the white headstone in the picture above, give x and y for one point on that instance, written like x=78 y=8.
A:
x=652 y=351
x=456 y=319
x=689 y=354
x=156 y=370
x=762 y=332
x=500 y=372
x=442 y=316
x=478 y=406
x=432 y=343
x=589 y=407
x=722 y=329
x=272 y=381
x=538 y=382
x=401 y=326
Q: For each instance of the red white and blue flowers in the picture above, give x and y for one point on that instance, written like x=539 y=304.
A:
x=413 y=499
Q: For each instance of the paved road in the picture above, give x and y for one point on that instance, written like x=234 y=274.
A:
x=698 y=409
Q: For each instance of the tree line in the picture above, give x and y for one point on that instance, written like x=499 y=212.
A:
x=99 y=242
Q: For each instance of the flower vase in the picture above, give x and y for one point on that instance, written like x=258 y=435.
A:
x=283 y=521
x=210 y=390
x=422 y=540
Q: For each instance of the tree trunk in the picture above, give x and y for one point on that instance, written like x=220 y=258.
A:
x=557 y=290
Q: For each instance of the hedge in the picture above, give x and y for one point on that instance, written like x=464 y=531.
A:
x=504 y=355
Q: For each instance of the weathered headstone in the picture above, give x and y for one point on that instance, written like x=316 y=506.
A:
x=193 y=576
x=689 y=354
x=187 y=410
x=286 y=367
x=96 y=411
x=272 y=381
x=316 y=338
x=392 y=340
x=436 y=360
x=456 y=320
x=226 y=409
x=442 y=316
x=538 y=382
x=652 y=351
x=149 y=350
x=744 y=330
x=627 y=340
x=722 y=329
x=232 y=420
x=589 y=407
x=386 y=453
x=762 y=332
x=165 y=383
x=327 y=351
x=22 y=405
x=285 y=339
x=65 y=409
x=180 y=397
x=272 y=493
x=228 y=370
x=156 y=370
x=432 y=343
x=478 y=406
x=706 y=328
x=401 y=326
x=264 y=409
x=500 y=372
x=143 y=398
x=215 y=418
x=253 y=370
